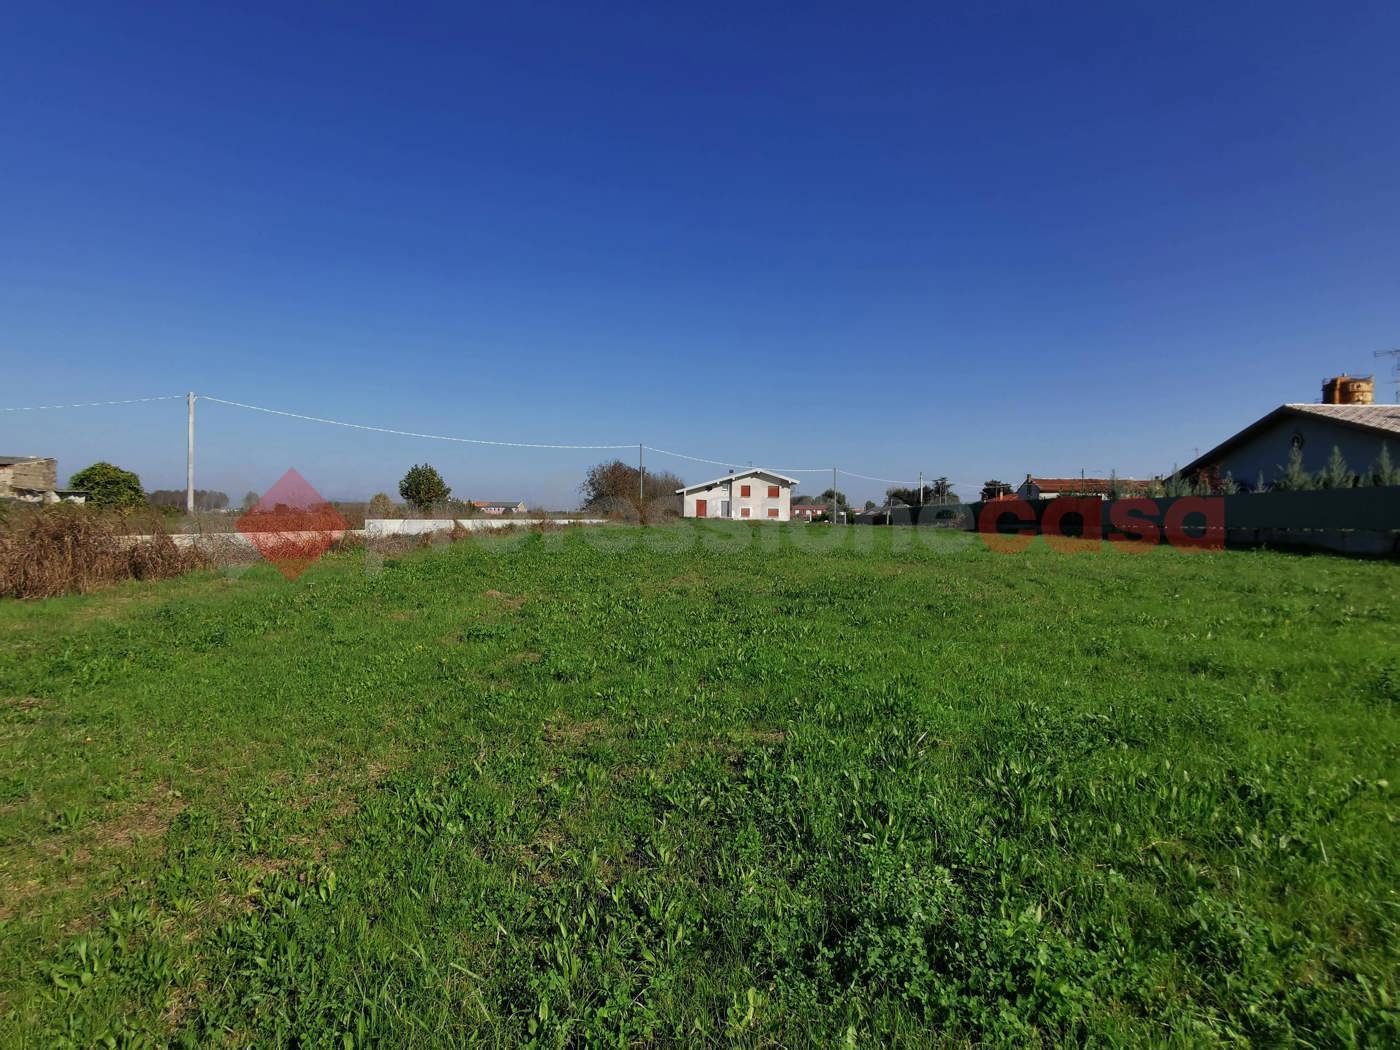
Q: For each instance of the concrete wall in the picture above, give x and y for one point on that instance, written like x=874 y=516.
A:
x=758 y=503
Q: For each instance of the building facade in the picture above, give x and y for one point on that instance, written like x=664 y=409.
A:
x=748 y=495
x=808 y=511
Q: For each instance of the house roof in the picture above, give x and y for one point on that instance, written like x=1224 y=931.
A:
x=496 y=502
x=751 y=472
x=1087 y=485
x=1374 y=419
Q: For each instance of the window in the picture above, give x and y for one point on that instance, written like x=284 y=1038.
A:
x=744 y=490
x=744 y=512
x=772 y=493
x=772 y=512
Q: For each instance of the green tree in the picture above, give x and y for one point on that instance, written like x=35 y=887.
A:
x=109 y=486
x=1336 y=475
x=1295 y=477
x=250 y=499
x=1385 y=473
x=840 y=497
x=381 y=506
x=936 y=490
x=423 y=486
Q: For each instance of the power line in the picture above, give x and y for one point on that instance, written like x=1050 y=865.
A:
x=730 y=462
x=440 y=437
x=867 y=477
x=96 y=404
x=402 y=433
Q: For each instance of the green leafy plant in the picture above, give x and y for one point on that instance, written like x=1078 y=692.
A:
x=423 y=487
x=109 y=486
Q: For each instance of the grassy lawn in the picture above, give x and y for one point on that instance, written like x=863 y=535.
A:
x=621 y=788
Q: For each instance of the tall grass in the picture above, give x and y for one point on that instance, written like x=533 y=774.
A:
x=64 y=549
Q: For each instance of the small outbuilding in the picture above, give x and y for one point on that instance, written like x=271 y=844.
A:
x=34 y=479
x=753 y=494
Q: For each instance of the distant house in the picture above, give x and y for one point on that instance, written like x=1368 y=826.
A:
x=502 y=506
x=34 y=479
x=760 y=495
x=808 y=511
x=1264 y=447
x=1101 y=488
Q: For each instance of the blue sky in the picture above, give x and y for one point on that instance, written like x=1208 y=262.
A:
x=976 y=240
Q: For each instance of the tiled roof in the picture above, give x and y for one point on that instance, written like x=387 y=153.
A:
x=736 y=475
x=1377 y=417
x=1085 y=484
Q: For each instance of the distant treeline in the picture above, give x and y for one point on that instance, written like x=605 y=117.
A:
x=204 y=499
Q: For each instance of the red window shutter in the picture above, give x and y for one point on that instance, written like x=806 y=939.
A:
x=772 y=491
x=772 y=512
x=745 y=512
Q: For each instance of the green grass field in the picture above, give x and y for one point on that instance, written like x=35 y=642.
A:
x=620 y=788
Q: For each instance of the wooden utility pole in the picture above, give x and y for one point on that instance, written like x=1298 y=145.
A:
x=189 y=456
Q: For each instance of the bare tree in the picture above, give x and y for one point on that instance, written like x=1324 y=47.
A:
x=611 y=489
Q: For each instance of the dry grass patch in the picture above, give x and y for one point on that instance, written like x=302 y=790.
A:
x=509 y=601
x=562 y=730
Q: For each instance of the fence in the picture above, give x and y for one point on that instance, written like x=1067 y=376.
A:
x=1351 y=521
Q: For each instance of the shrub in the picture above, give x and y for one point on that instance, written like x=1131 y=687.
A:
x=109 y=486
x=380 y=506
x=63 y=549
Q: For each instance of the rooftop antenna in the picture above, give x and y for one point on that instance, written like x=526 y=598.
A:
x=1394 y=355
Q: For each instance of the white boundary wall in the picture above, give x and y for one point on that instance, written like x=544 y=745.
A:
x=420 y=526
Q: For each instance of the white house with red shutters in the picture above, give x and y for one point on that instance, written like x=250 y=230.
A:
x=753 y=494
